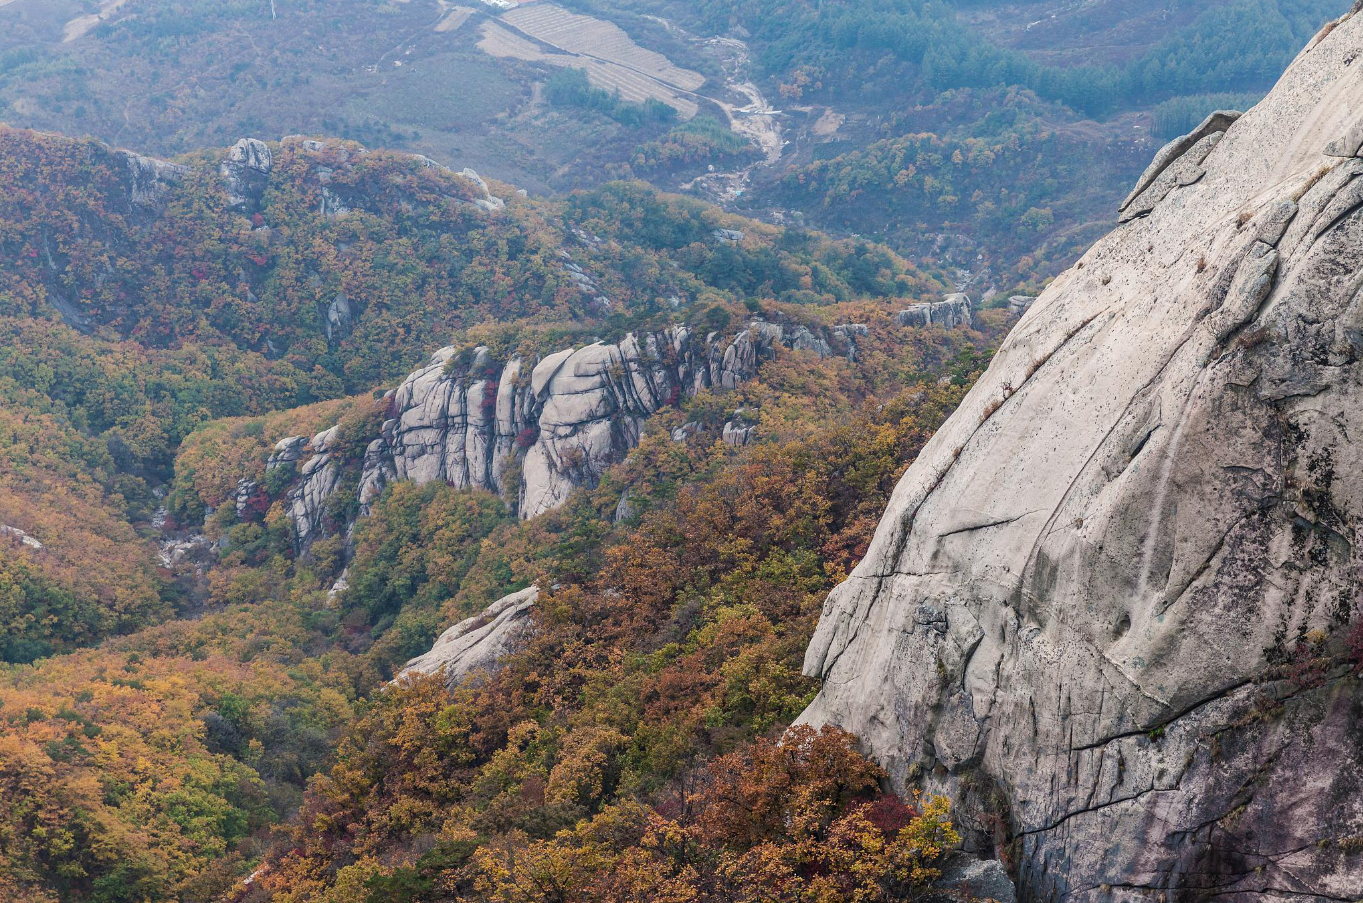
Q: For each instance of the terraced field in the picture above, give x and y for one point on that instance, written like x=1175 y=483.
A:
x=594 y=38
x=550 y=34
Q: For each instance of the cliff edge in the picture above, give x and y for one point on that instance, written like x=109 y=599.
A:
x=1109 y=608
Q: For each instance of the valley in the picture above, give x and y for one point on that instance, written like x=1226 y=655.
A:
x=642 y=451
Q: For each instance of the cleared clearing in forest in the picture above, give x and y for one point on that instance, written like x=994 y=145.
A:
x=600 y=40
x=611 y=60
x=454 y=18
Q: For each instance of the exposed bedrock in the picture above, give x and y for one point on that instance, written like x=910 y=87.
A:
x=556 y=423
x=475 y=647
x=949 y=313
x=1071 y=612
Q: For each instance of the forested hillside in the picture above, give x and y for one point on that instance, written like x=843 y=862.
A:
x=178 y=673
x=997 y=135
x=779 y=241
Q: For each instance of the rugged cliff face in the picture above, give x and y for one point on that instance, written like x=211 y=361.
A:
x=555 y=422
x=476 y=645
x=1108 y=606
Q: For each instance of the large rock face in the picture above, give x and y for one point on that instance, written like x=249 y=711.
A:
x=476 y=646
x=1071 y=612
x=559 y=421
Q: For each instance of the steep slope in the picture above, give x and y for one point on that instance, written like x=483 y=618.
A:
x=1108 y=605
x=532 y=430
x=141 y=299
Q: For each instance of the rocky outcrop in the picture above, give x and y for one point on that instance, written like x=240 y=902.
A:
x=949 y=313
x=341 y=315
x=976 y=879
x=583 y=280
x=1073 y=614
x=739 y=430
x=246 y=169
x=1178 y=164
x=247 y=499
x=558 y=422
x=476 y=646
x=18 y=537
x=488 y=201
x=287 y=452
x=318 y=479
x=147 y=177
x=245 y=173
x=849 y=334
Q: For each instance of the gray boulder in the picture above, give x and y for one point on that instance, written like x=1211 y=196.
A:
x=287 y=452
x=977 y=879
x=949 y=313
x=245 y=173
x=20 y=538
x=1075 y=614
x=474 y=647
x=340 y=317
x=488 y=202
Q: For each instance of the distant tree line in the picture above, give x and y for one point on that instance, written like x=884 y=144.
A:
x=570 y=88
x=1240 y=46
x=1180 y=115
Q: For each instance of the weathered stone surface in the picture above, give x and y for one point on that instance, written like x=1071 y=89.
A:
x=1177 y=151
x=244 y=500
x=245 y=172
x=624 y=509
x=1069 y=613
x=475 y=647
x=465 y=418
x=686 y=431
x=1179 y=173
x=977 y=879
x=1348 y=144
x=848 y=334
x=801 y=339
x=147 y=177
x=488 y=201
x=287 y=452
x=949 y=313
x=340 y=317
x=1019 y=304
x=318 y=479
x=19 y=537
x=739 y=430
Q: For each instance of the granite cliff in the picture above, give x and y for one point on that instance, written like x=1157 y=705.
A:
x=535 y=429
x=1109 y=608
